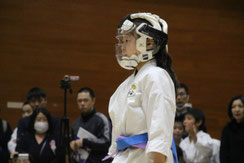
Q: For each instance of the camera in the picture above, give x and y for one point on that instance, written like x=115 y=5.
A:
x=21 y=156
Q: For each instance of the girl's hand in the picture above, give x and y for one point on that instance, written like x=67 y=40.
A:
x=193 y=133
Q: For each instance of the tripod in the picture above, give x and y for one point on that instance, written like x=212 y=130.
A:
x=64 y=129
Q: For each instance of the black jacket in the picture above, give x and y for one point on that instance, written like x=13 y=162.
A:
x=232 y=143
x=97 y=124
x=5 y=135
x=48 y=151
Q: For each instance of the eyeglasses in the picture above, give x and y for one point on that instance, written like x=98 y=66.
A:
x=181 y=94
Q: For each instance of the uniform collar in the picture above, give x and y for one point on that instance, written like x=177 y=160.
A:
x=149 y=63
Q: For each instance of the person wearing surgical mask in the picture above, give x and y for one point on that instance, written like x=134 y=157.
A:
x=40 y=141
x=37 y=98
x=182 y=101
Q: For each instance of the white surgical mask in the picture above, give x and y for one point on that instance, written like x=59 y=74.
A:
x=183 y=107
x=180 y=108
x=41 y=127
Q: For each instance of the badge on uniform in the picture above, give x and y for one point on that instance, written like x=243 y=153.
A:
x=132 y=90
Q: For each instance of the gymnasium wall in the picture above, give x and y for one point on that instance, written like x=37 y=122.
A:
x=42 y=40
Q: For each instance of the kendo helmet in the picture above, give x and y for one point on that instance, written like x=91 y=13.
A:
x=146 y=26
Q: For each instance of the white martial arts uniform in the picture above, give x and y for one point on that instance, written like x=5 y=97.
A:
x=144 y=103
x=199 y=152
x=12 y=142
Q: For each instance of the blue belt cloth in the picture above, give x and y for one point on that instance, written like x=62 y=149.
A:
x=126 y=142
x=173 y=149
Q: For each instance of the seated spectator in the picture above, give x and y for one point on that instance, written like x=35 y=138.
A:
x=178 y=133
x=26 y=111
x=197 y=146
x=39 y=141
x=232 y=139
x=36 y=98
x=5 y=135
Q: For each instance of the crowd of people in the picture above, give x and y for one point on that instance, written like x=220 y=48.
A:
x=195 y=145
x=38 y=132
x=152 y=120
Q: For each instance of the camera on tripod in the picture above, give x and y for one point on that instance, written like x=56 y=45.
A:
x=65 y=84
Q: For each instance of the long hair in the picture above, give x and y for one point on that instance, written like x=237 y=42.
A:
x=163 y=60
x=33 y=118
x=162 y=57
x=231 y=102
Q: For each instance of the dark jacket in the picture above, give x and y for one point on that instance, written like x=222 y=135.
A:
x=97 y=124
x=47 y=151
x=232 y=143
x=5 y=135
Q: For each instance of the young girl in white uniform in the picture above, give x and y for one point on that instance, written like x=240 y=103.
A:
x=145 y=102
x=198 y=145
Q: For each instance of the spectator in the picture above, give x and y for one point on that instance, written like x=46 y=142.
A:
x=232 y=139
x=178 y=133
x=5 y=135
x=36 y=98
x=182 y=99
x=197 y=147
x=26 y=111
x=90 y=132
x=39 y=141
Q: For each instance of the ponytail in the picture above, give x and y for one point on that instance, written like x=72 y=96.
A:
x=164 y=61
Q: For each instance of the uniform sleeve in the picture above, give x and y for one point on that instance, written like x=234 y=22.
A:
x=159 y=105
x=201 y=151
x=13 y=141
x=184 y=145
x=204 y=145
x=113 y=146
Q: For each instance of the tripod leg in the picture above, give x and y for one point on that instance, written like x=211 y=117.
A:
x=65 y=137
